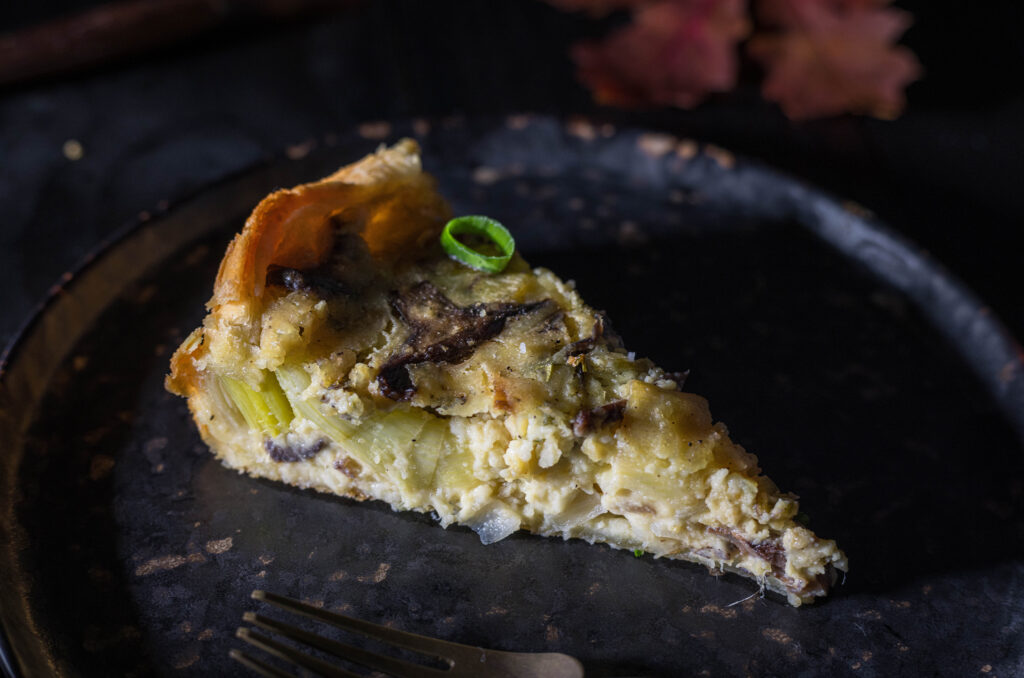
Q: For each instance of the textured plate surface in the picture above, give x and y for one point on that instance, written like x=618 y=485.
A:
x=866 y=380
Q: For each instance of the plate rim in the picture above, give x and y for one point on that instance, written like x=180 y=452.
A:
x=840 y=224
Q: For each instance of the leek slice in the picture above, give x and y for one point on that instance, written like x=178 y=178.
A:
x=455 y=469
x=387 y=441
x=266 y=410
x=295 y=381
x=430 y=443
x=276 y=401
x=403 y=444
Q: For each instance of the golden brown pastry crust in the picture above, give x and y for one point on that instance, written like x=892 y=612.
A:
x=384 y=197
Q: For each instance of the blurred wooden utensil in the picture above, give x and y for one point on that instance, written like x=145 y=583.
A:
x=115 y=30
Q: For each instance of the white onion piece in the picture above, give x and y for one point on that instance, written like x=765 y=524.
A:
x=495 y=522
x=582 y=509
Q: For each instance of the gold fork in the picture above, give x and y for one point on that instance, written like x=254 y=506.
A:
x=452 y=660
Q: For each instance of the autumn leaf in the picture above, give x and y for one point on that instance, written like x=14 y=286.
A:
x=792 y=13
x=674 y=53
x=834 y=56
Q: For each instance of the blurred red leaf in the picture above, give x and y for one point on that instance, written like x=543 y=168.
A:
x=674 y=53
x=835 y=56
x=792 y=12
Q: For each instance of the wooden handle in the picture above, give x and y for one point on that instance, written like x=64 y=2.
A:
x=118 y=29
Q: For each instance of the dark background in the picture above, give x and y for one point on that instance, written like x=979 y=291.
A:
x=157 y=127
x=162 y=125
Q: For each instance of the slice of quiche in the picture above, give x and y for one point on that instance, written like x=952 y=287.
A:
x=345 y=351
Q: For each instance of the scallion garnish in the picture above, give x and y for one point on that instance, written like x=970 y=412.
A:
x=483 y=227
x=637 y=553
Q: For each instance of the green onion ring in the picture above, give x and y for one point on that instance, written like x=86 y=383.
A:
x=478 y=225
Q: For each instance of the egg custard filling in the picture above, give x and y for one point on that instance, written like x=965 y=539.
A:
x=344 y=351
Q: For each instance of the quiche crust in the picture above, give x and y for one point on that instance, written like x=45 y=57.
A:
x=344 y=352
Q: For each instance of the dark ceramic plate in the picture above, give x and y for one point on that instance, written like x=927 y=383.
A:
x=867 y=381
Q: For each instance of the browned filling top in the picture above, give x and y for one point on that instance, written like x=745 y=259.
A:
x=440 y=332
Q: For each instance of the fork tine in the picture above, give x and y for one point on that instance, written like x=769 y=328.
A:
x=410 y=641
x=253 y=664
x=354 y=654
x=462 y=660
x=290 y=654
